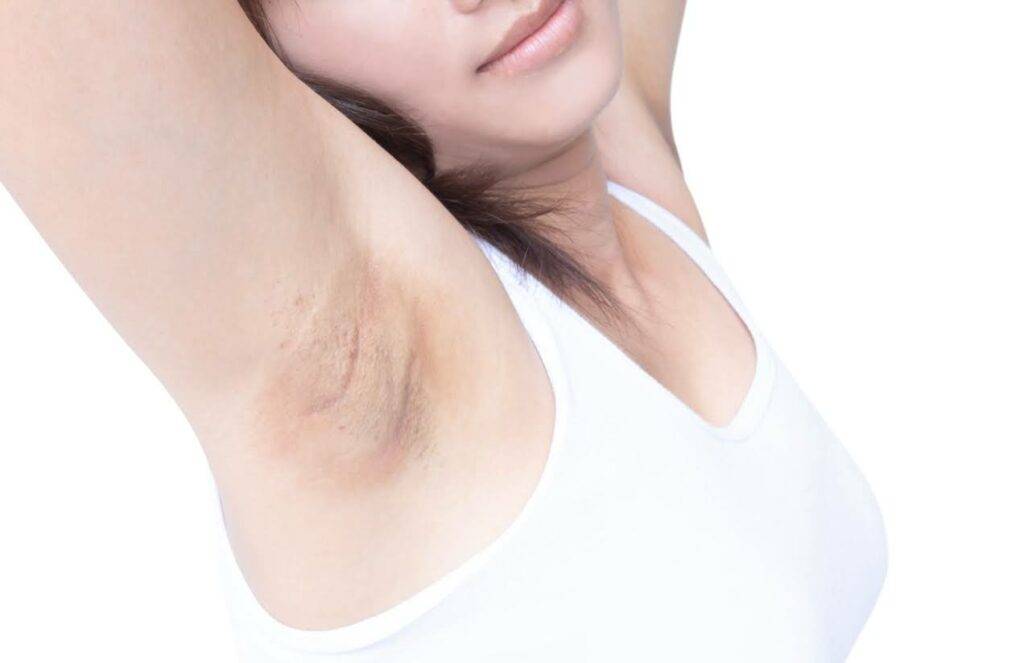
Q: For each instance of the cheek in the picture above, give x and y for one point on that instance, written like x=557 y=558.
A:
x=395 y=56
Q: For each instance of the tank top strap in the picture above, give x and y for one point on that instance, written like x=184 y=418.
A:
x=687 y=239
x=513 y=276
x=532 y=302
x=537 y=308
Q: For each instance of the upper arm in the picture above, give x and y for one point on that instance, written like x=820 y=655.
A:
x=194 y=189
x=651 y=30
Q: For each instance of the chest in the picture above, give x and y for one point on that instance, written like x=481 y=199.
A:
x=656 y=541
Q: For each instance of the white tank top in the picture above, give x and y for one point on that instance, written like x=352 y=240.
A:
x=651 y=535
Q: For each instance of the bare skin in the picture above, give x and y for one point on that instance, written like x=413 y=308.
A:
x=359 y=381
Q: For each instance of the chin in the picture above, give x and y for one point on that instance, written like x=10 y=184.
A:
x=558 y=103
x=515 y=121
x=570 y=105
x=519 y=120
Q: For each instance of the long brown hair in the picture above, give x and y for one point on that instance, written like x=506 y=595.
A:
x=515 y=225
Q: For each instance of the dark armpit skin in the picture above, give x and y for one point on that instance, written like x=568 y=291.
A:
x=345 y=402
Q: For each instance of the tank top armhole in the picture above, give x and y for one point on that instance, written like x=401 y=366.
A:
x=255 y=623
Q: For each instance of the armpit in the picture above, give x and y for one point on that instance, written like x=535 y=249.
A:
x=344 y=400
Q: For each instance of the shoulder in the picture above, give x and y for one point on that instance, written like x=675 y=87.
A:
x=639 y=153
x=650 y=33
x=635 y=133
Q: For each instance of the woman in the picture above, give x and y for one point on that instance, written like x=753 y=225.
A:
x=427 y=281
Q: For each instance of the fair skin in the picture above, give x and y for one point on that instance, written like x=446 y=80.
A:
x=372 y=408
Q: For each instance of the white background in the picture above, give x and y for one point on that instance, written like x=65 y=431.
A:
x=860 y=170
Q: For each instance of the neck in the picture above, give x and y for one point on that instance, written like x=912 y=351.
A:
x=591 y=226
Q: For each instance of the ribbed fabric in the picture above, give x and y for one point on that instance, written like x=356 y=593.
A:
x=651 y=536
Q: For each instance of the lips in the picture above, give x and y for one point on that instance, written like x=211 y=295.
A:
x=524 y=27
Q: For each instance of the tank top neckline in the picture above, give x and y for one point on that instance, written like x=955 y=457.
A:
x=747 y=417
x=528 y=296
x=746 y=420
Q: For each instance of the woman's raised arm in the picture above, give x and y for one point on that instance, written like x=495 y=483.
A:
x=651 y=31
x=201 y=195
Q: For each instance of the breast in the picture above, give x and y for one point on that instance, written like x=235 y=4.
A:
x=657 y=541
x=768 y=548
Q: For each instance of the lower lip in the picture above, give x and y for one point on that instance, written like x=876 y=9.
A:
x=548 y=42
